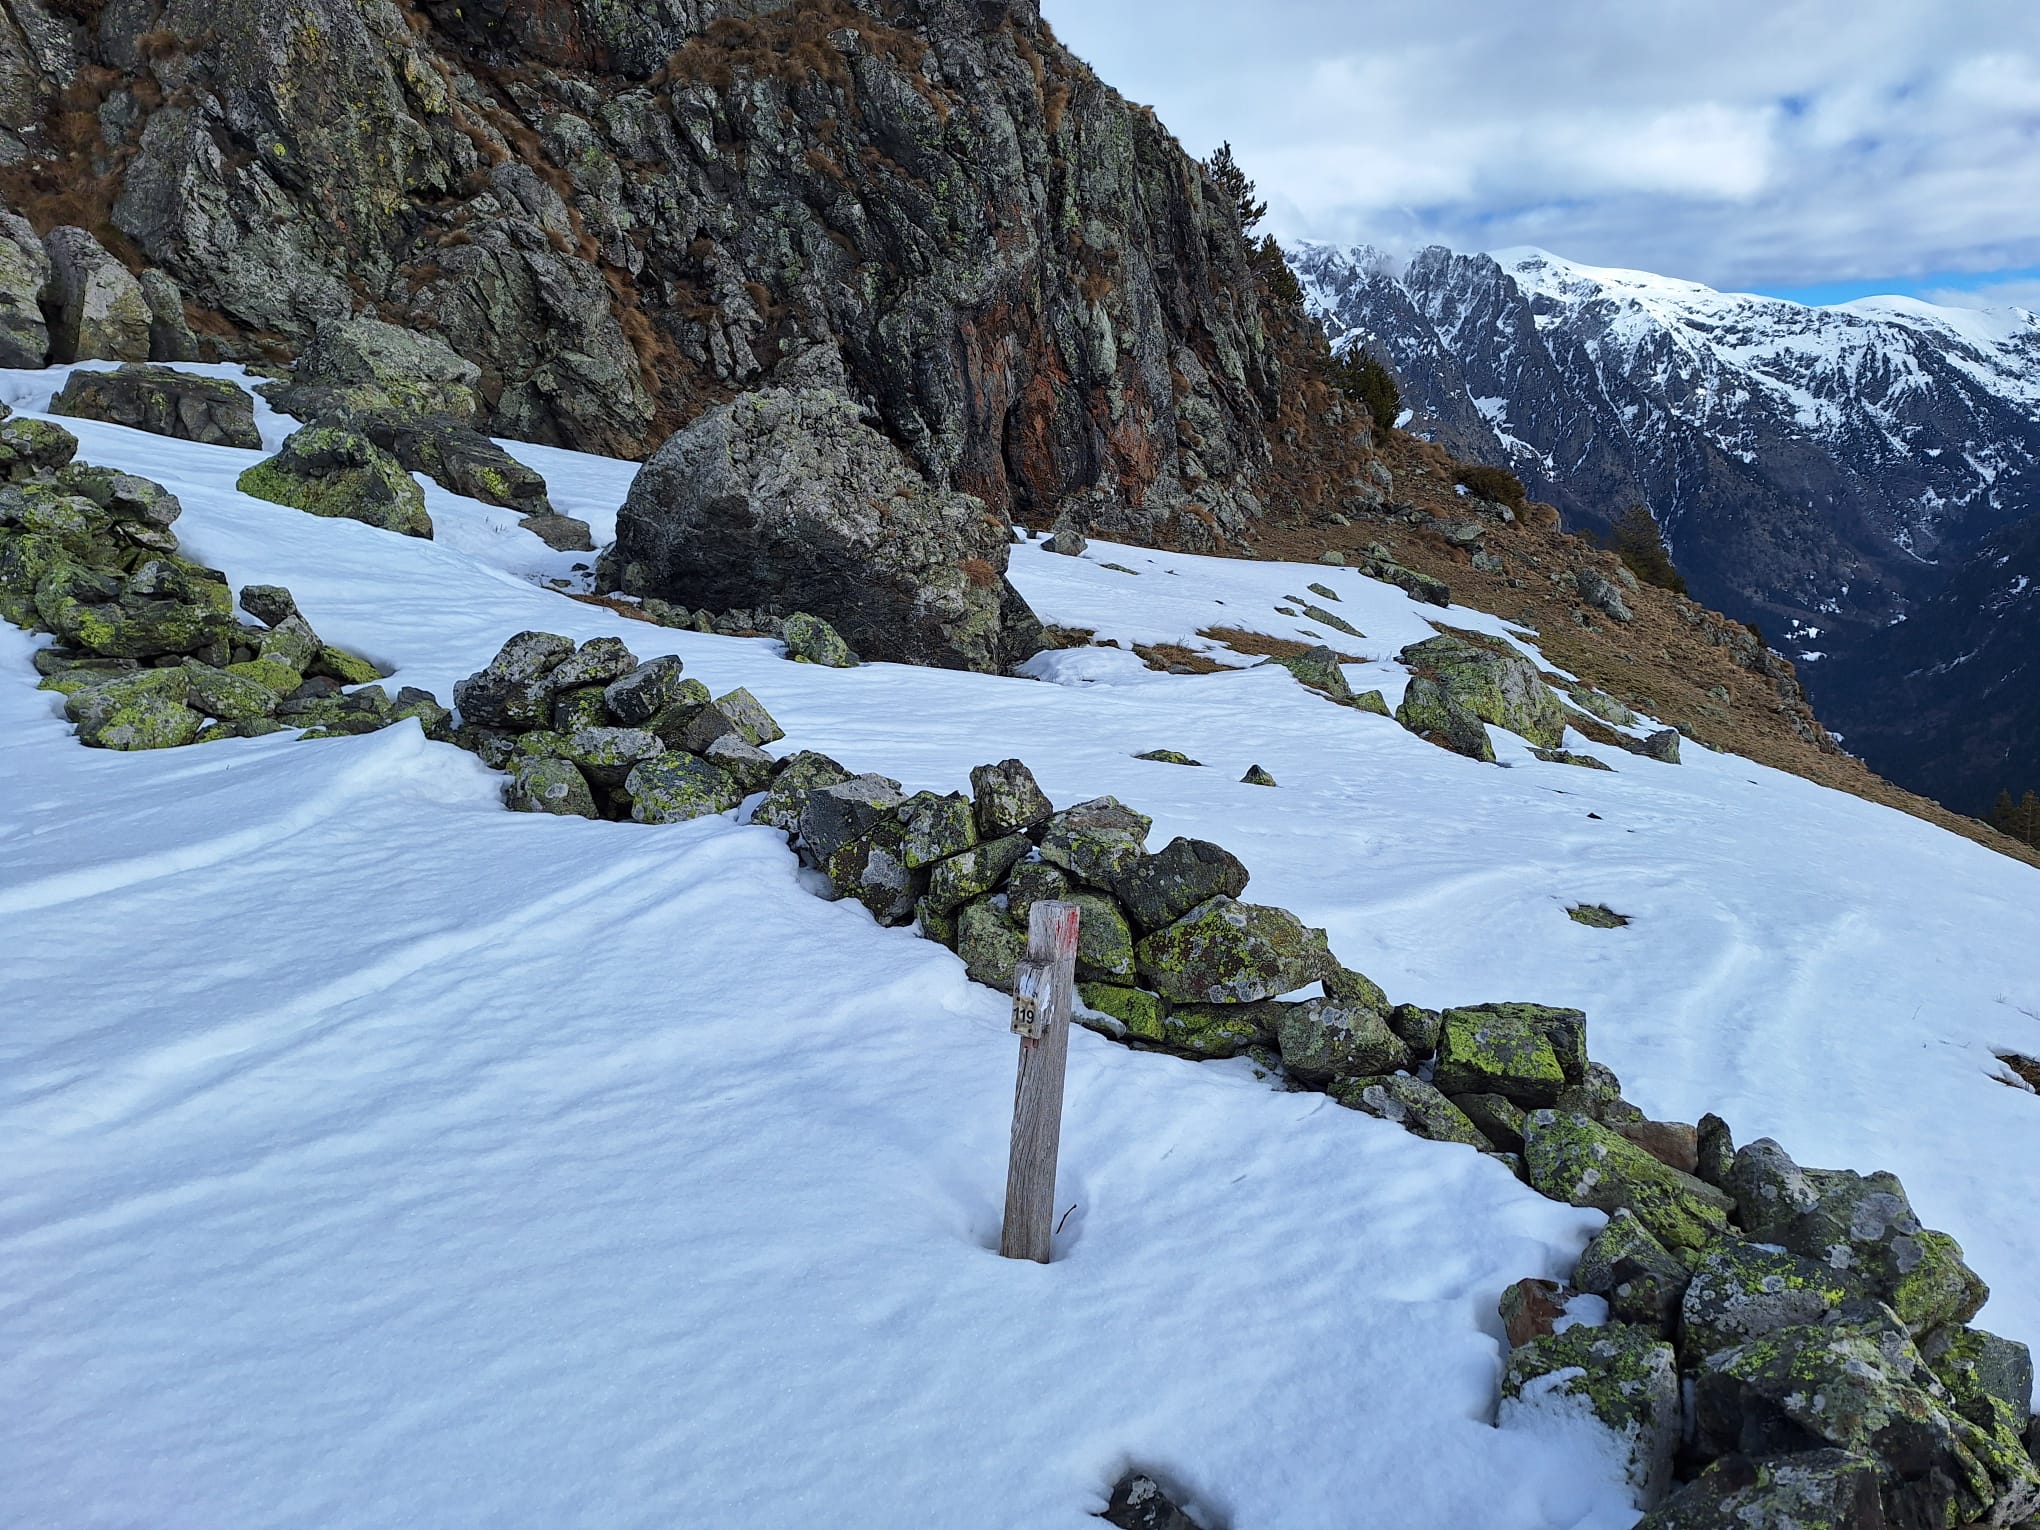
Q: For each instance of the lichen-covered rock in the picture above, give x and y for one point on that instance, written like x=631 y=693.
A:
x=1859 y=1223
x=607 y=755
x=1714 y=1151
x=1602 y=705
x=836 y=815
x=748 y=765
x=1228 y=952
x=1431 y=712
x=461 y=459
x=1807 y=1490
x=1581 y=1162
x=271 y=674
x=634 y=699
x=1323 y=1039
x=596 y=662
x=1865 y=1389
x=574 y=710
x=1032 y=881
x=1642 y=1281
x=1210 y=1030
x=1256 y=776
x=165 y=402
x=810 y=640
x=268 y=603
x=1007 y=799
x=549 y=786
x=330 y=471
x=1497 y=686
x=1989 y=1379
x=674 y=788
x=338 y=664
x=1104 y=938
x=1159 y=889
x=99 y=311
x=435 y=719
x=1662 y=745
x=1319 y=669
x=515 y=689
x=680 y=721
x=1500 y=1120
x=34 y=446
x=1097 y=841
x=1525 y=1052
x=1418 y=1027
x=1355 y=988
x=1619 y=1378
x=1168 y=757
x=1584 y=762
x=1412 y=1104
x=799 y=774
x=872 y=870
x=143 y=709
x=971 y=873
x=1742 y=1290
x=363 y=366
x=1135 y=1010
x=786 y=499
x=938 y=827
x=989 y=945
x=228 y=697
x=747 y=715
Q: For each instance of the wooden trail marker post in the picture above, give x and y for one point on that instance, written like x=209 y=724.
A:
x=1042 y=985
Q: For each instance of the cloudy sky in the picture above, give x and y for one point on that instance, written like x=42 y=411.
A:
x=1819 y=149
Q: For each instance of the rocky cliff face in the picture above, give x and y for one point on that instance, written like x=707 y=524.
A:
x=1821 y=471
x=624 y=215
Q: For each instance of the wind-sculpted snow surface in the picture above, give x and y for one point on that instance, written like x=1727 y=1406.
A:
x=372 y=1156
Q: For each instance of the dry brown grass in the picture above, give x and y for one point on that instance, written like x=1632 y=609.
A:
x=2027 y=1068
x=1261 y=645
x=1660 y=663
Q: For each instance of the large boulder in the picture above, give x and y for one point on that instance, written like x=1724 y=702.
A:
x=785 y=500
x=1864 y=1388
x=170 y=336
x=362 y=366
x=1496 y=685
x=331 y=471
x=163 y=401
x=460 y=459
x=97 y=306
x=1861 y=1224
x=1619 y=1380
x=24 y=273
x=1431 y=712
x=1159 y=889
x=1228 y=952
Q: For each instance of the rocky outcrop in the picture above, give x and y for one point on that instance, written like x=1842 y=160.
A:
x=163 y=401
x=621 y=216
x=24 y=273
x=787 y=499
x=97 y=307
x=364 y=366
x=330 y=470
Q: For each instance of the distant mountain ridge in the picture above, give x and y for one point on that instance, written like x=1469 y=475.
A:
x=1823 y=472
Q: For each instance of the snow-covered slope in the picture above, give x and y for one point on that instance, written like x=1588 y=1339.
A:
x=372 y=1156
x=1817 y=470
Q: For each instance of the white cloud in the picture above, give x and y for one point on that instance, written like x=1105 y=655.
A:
x=1739 y=142
x=2013 y=294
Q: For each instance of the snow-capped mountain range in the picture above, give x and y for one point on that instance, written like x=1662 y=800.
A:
x=1820 y=471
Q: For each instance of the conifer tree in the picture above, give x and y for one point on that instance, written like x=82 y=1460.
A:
x=1233 y=182
x=1640 y=544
